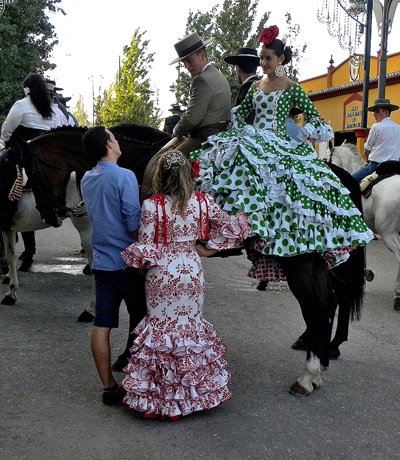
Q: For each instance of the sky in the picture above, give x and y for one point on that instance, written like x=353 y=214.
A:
x=92 y=36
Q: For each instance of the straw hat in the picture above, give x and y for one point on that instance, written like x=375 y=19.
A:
x=382 y=104
x=189 y=45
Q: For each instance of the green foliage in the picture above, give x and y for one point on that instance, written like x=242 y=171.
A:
x=232 y=26
x=26 y=41
x=80 y=114
x=130 y=98
x=291 y=38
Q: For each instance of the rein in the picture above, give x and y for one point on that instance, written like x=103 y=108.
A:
x=47 y=201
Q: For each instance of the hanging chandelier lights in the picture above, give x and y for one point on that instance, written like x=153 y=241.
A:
x=345 y=19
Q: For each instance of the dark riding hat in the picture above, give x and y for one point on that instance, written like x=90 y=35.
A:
x=383 y=104
x=295 y=111
x=243 y=55
x=189 y=45
x=176 y=109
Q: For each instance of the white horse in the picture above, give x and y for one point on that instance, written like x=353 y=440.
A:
x=381 y=210
x=27 y=218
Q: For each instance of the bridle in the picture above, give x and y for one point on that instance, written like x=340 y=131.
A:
x=43 y=197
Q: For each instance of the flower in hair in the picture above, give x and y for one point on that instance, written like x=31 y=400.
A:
x=174 y=159
x=268 y=35
x=195 y=169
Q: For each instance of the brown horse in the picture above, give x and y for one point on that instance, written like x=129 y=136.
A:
x=49 y=161
x=59 y=153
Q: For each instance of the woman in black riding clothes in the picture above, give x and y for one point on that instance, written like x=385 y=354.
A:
x=29 y=117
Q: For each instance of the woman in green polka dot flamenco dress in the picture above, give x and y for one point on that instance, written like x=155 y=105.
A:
x=295 y=204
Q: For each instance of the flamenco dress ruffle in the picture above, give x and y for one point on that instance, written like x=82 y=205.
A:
x=293 y=201
x=177 y=372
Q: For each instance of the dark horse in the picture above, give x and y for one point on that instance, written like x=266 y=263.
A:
x=59 y=153
x=50 y=173
x=347 y=280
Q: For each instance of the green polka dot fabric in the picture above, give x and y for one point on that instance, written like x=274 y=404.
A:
x=291 y=197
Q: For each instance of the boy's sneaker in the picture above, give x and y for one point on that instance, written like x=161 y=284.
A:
x=114 y=394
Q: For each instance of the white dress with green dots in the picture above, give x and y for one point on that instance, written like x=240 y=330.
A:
x=292 y=199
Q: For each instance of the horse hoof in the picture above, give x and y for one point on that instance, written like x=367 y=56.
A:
x=262 y=286
x=26 y=265
x=297 y=390
x=317 y=382
x=85 y=317
x=397 y=303
x=369 y=274
x=6 y=280
x=334 y=353
x=8 y=300
x=300 y=344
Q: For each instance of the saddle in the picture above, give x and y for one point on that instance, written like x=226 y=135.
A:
x=383 y=171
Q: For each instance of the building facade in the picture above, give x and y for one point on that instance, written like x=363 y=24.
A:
x=338 y=96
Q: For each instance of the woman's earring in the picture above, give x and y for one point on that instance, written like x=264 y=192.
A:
x=280 y=71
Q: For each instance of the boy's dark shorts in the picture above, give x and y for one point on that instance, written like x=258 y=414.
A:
x=112 y=287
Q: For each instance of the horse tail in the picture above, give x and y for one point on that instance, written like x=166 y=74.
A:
x=348 y=278
x=357 y=266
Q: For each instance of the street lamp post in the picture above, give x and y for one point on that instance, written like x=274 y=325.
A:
x=93 y=97
x=384 y=15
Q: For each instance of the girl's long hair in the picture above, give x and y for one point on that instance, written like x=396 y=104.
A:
x=173 y=178
x=39 y=94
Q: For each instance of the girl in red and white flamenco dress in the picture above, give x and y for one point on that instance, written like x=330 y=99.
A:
x=177 y=366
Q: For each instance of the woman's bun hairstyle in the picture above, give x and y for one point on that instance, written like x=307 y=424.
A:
x=269 y=40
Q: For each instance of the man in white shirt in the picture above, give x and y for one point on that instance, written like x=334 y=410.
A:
x=61 y=119
x=383 y=143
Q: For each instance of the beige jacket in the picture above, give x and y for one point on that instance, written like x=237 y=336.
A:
x=210 y=102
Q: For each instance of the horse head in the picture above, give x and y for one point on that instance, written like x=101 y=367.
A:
x=20 y=152
x=347 y=156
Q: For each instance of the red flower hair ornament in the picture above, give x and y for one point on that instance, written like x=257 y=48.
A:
x=195 y=169
x=268 y=35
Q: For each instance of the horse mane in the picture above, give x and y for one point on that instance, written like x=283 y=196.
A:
x=353 y=148
x=138 y=133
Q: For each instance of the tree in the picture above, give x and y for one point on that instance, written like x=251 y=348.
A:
x=26 y=41
x=130 y=99
x=80 y=114
x=231 y=26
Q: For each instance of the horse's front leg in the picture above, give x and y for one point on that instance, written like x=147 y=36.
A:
x=84 y=226
x=392 y=243
x=307 y=278
x=10 y=240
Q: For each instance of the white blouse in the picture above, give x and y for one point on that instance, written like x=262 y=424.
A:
x=24 y=113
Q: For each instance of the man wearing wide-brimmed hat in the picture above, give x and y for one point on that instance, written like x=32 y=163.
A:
x=61 y=117
x=246 y=61
x=170 y=122
x=209 y=108
x=383 y=143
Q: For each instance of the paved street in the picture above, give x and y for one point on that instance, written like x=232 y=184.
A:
x=51 y=405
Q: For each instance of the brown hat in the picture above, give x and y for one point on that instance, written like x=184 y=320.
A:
x=243 y=55
x=189 y=45
x=382 y=104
